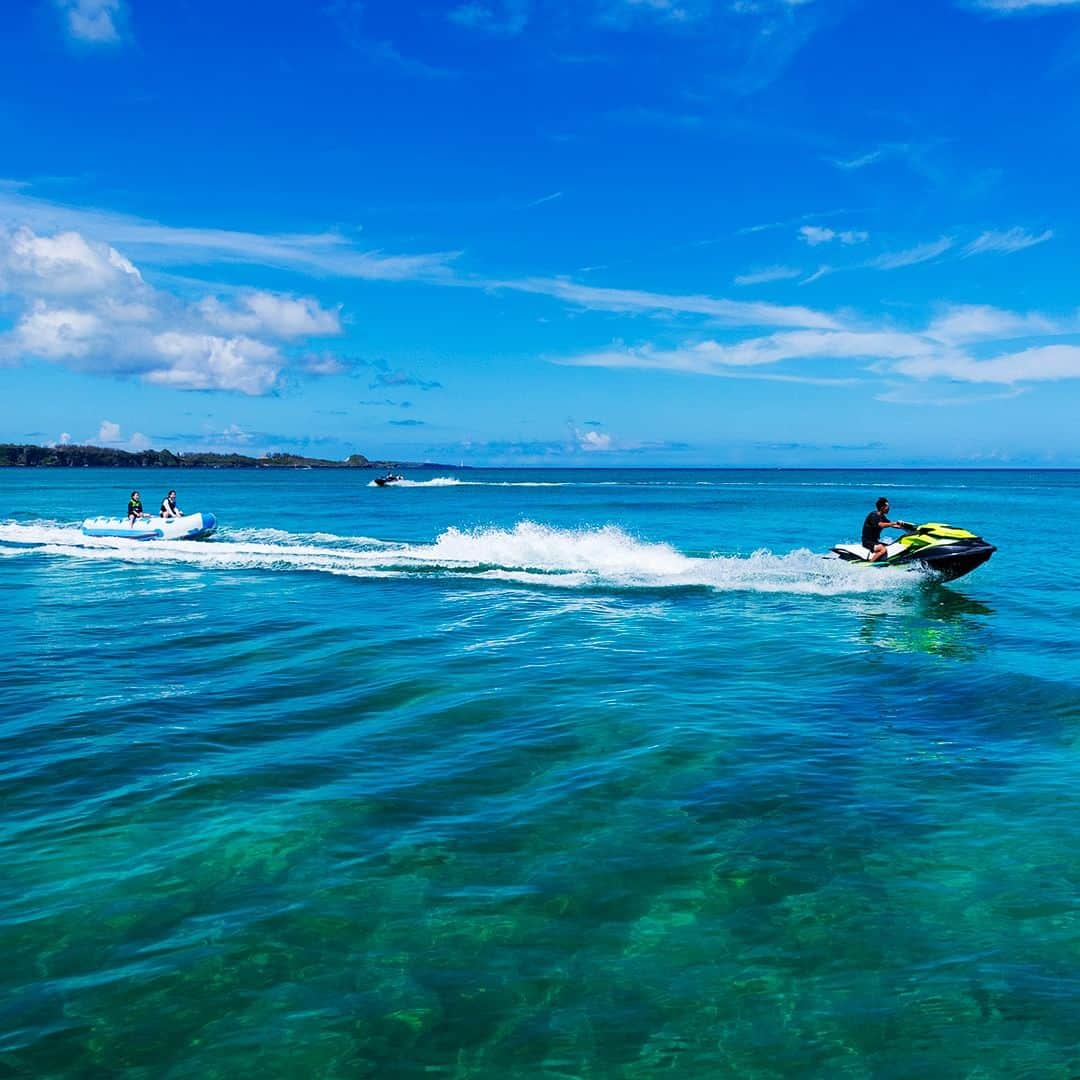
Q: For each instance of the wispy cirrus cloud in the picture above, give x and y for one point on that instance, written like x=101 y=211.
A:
x=502 y=18
x=942 y=350
x=819 y=273
x=735 y=312
x=1005 y=242
x=962 y=323
x=767 y=274
x=544 y=199
x=322 y=253
x=911 y=256
x=349 y=17
x=860 y=161
x=1006 y=7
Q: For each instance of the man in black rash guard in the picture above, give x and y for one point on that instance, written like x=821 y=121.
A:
x=875 y=521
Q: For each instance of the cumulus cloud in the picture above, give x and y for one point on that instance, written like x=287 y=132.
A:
x=81 y=303
x=64 y=264
x=819 y=234
x=282 y=316
x=108 y=432
x=593 y=441
x=95 y=22
x=208 y=362
x=56 y=333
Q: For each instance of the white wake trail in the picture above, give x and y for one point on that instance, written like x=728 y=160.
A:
x=528 y=553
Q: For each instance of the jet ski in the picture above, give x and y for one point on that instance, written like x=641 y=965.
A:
x=185 y=527
x=948 y=551
x=389 y=478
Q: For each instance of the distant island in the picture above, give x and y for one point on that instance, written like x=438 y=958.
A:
x=27 y=456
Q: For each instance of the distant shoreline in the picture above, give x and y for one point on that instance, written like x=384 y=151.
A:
x=29 y=456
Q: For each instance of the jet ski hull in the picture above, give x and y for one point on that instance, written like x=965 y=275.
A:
x=948 y=551
x=189 y=527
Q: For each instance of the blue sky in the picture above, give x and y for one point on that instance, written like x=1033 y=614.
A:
x=655 y=232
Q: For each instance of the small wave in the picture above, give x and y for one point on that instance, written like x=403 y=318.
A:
x=528 y=553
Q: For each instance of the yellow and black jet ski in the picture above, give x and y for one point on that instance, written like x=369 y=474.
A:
x=948 y=551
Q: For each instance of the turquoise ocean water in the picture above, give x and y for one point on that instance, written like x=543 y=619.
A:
x=527 y=774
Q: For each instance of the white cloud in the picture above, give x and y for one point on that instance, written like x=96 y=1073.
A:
x=56 y=333
x=859 y=162
x=820 y=272
x=818 y=234
x=940 y=351
x=1039 y=364
x=63 y=264
x=209 y=362
x=919 y=394
x=975 y=322
x=623 y=12
x=65 y=438
x=85 y=305
x=735 y=312
x=909 y=257
x=544 y=199
x=320 y=253
x=96 y=22
x=271 y=313
x=139 y=441
x=506 y=19
x=593 y=441
x=769 y=273
x=1004 y=243
x=108 y=432
x=710 y=357
x=1022 y=5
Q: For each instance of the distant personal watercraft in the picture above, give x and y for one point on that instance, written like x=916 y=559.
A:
x=187 y=527
x=389 y=478
x=945 y=549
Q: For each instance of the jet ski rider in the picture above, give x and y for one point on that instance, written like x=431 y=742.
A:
x=875 y=521
x=169 y=509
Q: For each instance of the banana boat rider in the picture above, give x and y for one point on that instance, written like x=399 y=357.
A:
x=875 y=521
x=135 y=509
x=169 y=509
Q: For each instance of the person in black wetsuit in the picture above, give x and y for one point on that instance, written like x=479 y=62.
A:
x=875 y=521
x=169 y=509
x=135 y=510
